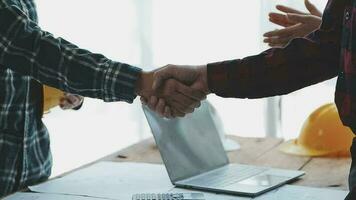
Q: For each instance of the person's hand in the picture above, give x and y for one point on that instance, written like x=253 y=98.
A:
x=295 y=23
x=70 y=101
x=193 y=76
x=174 y=99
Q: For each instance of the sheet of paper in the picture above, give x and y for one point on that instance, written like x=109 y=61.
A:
x=210 y=195
x=291 y=192
x=121 y=180
x=39 y=196
x=110 y=180
x=287 y=192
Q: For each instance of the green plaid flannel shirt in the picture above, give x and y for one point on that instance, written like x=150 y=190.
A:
x=30 y=57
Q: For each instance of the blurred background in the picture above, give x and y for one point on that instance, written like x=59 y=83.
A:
x=153 y=33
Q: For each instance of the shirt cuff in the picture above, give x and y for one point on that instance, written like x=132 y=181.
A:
x=119 y=82
x=218 y=78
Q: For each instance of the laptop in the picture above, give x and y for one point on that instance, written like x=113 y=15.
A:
x=194 y=157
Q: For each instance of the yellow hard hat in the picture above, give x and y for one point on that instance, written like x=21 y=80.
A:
x=51 y=98
x=322 y=134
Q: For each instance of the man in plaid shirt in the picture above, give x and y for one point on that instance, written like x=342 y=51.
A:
x=324 y=54
x=29 y=57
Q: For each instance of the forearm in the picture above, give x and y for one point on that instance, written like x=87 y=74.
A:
x=28 y=50
x=274 y=72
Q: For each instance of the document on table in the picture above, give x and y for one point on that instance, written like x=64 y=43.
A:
x=110 y=180
x=121 y=180
x=40 y=196
x=287 y=192
x=211 y=195
x=291 y=192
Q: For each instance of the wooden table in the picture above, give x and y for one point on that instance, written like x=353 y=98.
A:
x=320 y=172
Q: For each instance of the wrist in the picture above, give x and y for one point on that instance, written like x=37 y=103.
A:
x=144 y=82
x=203 y=75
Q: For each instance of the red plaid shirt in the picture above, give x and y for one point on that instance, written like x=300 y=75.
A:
x=324 y=54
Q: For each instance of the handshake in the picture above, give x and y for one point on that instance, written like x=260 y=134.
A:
x=173 y=91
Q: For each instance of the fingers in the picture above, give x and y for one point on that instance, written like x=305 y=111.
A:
x=171 y=85
x=279 y=38
x=167 y=112
x=175 y=99
x=180 y=102
x=172 y=111
x=184 y=74
x=70 y=101
x=177 y=113
x=144 y=101
x=189 y=92
x=277 y=41
x=282 y=32
x=280 y=19
x=286 y=9
x=64 y=104
x=183 y=104
x=182 y=97
x=299 y=18
x=163 y=74
x=185 y=100
x=158 y=105
x=152 y=103
x=283 y=36
x=160 y=108
x=312 y=8
x=296 y=23
x=178 y=106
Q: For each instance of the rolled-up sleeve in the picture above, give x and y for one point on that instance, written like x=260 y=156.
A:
x=28 y=50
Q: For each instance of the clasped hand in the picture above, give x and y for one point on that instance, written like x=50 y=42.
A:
x=173 y=91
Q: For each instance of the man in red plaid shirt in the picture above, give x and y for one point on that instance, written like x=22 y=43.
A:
x=324 y=54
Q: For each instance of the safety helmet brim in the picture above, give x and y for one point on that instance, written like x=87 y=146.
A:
x=292 y=147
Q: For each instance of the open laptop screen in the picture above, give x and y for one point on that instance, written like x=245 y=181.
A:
x=189 y=146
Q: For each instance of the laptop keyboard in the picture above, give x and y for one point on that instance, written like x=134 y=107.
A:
x=226 y=176
x=169 y=196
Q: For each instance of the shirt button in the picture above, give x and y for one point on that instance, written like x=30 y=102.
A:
x=347 y=15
